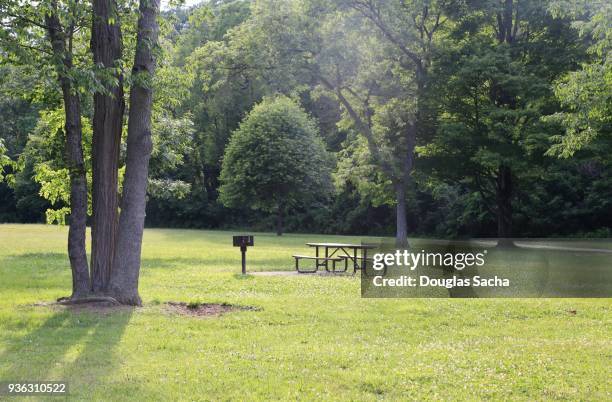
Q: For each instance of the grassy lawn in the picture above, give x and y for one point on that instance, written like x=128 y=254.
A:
x=312 y=337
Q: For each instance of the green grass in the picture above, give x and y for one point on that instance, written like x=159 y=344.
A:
x=310 y=338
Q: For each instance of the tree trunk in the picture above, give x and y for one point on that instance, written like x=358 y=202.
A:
x=504 y=193
x=74 y=161
x=78 y=197
x=279 y=221
x=106 y=46
x=401 y=227
x=124 y=281
x=508 y=8
x=504 y=184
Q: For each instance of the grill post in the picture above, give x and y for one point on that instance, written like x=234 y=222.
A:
x=243 y=251
x=243 y=242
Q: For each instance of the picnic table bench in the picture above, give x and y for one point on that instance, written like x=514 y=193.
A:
x=318 y=261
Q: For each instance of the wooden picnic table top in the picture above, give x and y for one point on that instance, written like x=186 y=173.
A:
x=341 y=245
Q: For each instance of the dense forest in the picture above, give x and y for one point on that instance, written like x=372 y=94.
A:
x=447 y=118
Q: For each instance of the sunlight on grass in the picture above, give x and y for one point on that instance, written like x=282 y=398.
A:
x=312 y=337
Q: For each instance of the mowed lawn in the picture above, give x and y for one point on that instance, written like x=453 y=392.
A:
x=312 y=338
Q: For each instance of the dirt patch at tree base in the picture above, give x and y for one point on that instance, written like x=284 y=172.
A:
x=206 y=309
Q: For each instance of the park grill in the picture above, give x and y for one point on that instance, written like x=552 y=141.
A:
x=243 y=242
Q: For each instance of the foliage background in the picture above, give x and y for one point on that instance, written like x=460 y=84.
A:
x=221 y=58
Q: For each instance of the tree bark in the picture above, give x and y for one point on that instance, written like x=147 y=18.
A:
x=78 y=197
x=401 y=235
x=124 y=281
x=106 y=45
x=504 y=183
x=508 y=8
x=74 y=159
x=504 y=192
x=279 y=221
x=401 y=231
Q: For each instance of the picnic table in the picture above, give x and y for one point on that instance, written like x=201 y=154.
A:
x=337 y=252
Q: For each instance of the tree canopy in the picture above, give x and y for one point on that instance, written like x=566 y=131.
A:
x=275 y=161
x=441 y=118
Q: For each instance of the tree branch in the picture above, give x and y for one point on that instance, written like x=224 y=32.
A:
x=365 y=129
x=367 y=10
x=27 y=20
x=36 y=49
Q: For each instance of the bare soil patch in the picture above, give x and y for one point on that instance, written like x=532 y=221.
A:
x=206 y=309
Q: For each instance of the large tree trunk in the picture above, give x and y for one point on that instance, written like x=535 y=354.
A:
x=504 y=192
x=401 y=227
x=74 y=161
x=78 y=197
x=124 y=281
x=106 y=44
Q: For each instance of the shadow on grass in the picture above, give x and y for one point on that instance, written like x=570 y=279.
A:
x=72 y=346
x=223 y=238
x=43 y=260
x=59 y=262
x=57 y=256
x=203 y=263
x=242 y=277
x=162 y=263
